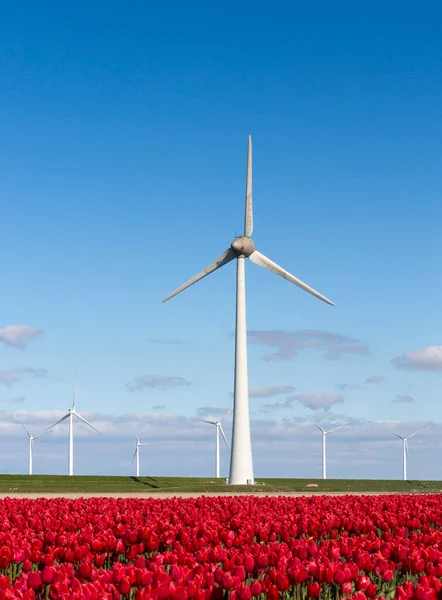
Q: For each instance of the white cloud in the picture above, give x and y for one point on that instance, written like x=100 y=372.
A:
x=404 y=398
x=375 y=379
x=270 y=391
x=288 y=344
x=320 y=401
x=12 y=376
x=427 y=359
x=211 y=411
x=18 y=335
x=161 y=382
x=15 y=400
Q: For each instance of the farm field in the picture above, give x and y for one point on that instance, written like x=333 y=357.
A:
x=213 y=548
x=151 y=485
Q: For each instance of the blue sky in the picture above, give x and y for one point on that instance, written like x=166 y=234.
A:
x=123 y=150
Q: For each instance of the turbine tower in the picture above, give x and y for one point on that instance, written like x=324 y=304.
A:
x=324 y=440
x=137 y=452
x=31 y=445
x=405 y=446
x=72 y=412
x=219 y=428
x=241 y=465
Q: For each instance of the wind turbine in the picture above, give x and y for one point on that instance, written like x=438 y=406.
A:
x=31 y=444
x=219 y=428
x=137 y=452
x=405 y=446
x=72 y=412
x=241 y=464
x=324 y=441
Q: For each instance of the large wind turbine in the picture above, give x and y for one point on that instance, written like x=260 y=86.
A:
x=72 y=412
x=137 y=452
x=405 y=446
x=219 y=428
x=324 y=440
x=31 y=445
x=241 y=465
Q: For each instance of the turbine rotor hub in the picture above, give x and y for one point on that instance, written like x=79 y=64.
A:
x=243 y=246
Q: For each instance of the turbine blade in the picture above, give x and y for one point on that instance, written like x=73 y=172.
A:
x=248 y=219
x=224 y=436
x=59 y=421
x=222 y=260
x=87 y=422
x=264 y=262
x=42 y=434
x=204 y=421
x=225 y=416
x=398 y=436
x=27 y=431
x=318 y=426
x=335 y=428
x=417 y=431
x=133 y=457
x=136 y=437
x=74 y=401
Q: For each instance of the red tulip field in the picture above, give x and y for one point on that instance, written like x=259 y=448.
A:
x=222 y=547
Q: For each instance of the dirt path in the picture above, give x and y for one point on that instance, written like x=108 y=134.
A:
x=183 y=494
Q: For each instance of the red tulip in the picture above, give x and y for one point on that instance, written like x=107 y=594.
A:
x=244 y=592
x=255 y=588
x=346 y=588
x=47 y=575
x=313 y=590
x=227 y=581
x=34 y=580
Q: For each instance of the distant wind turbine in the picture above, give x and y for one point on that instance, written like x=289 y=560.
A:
x=31 y=444
x=219 y=428
x=405 y=446
x=324 y=439
x=241 y=464
x=137 y=452
x=72 y=412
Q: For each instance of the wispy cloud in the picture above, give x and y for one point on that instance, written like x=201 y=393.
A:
x=270 y=391
x=319 y=401
x=427 y=359
x=160 y=382
x=375 y=379
x=288 y=344
x=157 y=342
x=213 y=411
x=343 y=387
x=16 y=400
x=12 y=376
x=404 y=398
x=158 y=407
x=287 y=403
x=18 y=336
x=335 y=352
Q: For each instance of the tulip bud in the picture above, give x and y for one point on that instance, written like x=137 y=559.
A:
x=313 y=589
x=47 y=575
x=255 y=588
x=34 y=580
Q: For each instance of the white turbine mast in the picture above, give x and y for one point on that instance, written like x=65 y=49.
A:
x=72 y=412
x=219 y=428
x=241 y=464
x=31 y=445
x=405 y=446
x=136 y=455
x=324 y=441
